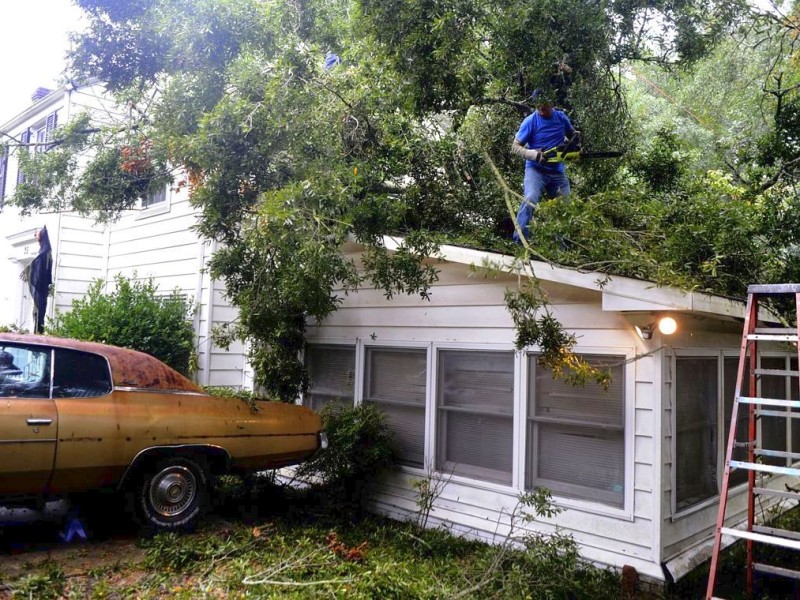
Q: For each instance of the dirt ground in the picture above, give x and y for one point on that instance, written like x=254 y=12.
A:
x=31 y=540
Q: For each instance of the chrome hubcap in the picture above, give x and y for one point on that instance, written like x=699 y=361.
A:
x=173 y=490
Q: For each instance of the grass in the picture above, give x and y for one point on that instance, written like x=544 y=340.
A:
x=273 y=542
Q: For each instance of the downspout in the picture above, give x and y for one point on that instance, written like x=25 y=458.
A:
x=198 y=292
x=209 y=302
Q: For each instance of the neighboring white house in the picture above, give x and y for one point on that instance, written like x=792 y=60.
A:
x=636 y=468
x=155 y=241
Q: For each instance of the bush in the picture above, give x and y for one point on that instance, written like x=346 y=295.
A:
x=132 y=316
x=361 y=446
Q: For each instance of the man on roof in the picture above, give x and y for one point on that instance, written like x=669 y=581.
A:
x=545 y=128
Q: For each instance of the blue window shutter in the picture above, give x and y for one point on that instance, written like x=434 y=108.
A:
x=24 y=138
x=51 y=124
x=3 y=171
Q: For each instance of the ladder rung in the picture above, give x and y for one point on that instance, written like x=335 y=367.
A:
x=779 y=330
x=784 y=533
x=780 y=493
x=760 y=537
x=770 y=402
x=777 y=453
x=772 y=337
x=771 y=570
x=781 y=414
x=748 y=466
x=766 y=289
x=777 y=372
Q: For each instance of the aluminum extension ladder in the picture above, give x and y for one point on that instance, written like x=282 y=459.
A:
x=757 y=408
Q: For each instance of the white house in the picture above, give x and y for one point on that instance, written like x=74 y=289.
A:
x=154 y=241
x=636 y=468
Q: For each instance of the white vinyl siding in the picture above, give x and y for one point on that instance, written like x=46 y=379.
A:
x=576 y=434
x=394 y=380
x=475 y=403
x=332 y=372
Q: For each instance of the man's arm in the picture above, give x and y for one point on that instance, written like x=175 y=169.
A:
x=520 y=150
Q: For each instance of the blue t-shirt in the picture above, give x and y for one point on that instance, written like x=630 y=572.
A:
x=538 y=133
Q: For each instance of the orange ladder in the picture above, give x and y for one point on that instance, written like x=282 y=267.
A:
x=757 y=408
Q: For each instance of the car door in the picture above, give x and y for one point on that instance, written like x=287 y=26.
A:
x=92 y=431
x=28 y=420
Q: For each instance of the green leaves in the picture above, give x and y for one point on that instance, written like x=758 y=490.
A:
x=133 y=315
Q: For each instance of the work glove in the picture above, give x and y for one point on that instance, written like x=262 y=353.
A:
x=535 y=155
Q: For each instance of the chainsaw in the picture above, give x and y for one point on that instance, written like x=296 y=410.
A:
x=572 y=149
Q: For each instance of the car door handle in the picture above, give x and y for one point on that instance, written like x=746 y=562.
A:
x=39 y=421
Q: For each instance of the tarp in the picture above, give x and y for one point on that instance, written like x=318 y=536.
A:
x=40 y=279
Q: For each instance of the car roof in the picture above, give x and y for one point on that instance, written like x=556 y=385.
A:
x=129 y=368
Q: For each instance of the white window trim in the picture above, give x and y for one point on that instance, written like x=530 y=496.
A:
x=722 y=440
x=629 y=435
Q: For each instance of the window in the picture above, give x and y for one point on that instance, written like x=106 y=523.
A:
x=576 y=434
x=697 y=464
x=475 y=418
x=44 y=133
x=395 y=380
x=24 y=372
x=80 y=375
x=700 y=382
x=332 y=372
x=155 y=198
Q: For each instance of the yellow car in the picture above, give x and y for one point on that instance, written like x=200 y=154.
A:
x=77 y=417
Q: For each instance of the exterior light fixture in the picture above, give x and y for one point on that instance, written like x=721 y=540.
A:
x=666 y=325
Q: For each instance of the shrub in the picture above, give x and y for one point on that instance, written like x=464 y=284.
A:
x=361 y=446
x=132 y=316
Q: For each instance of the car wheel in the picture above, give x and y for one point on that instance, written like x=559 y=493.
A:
x=173 y=494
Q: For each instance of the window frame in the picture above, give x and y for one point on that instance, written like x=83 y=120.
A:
x=628 y=355
x=722 y=438
x=571 y=490
x=361 y=383
x=433 y=405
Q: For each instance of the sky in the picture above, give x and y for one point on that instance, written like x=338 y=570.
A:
x=33 y=45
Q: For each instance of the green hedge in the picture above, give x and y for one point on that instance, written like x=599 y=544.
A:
x=132 y=316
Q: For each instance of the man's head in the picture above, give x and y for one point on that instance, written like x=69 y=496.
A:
x=542 y=102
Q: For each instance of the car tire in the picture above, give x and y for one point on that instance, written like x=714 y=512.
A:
x=173 y=494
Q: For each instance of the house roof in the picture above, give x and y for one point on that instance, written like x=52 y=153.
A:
x=619 y=294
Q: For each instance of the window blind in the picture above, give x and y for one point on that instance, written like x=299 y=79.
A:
x=332 y=373
x=575 y=434
x=395 y=379
x=475 y=414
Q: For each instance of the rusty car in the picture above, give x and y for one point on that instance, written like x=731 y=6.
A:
x=76 y=417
